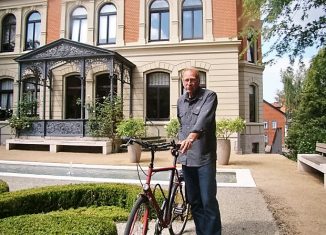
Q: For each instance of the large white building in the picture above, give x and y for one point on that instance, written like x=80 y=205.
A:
x=66 y=50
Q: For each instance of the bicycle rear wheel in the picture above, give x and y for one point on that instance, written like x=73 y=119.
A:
x=179 y=210
x=138 y=219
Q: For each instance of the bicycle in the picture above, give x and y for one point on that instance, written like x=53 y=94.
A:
x=174 y=208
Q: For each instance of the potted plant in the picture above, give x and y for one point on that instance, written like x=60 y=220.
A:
x=172 y=128
x=224 y=129
x=133 y=128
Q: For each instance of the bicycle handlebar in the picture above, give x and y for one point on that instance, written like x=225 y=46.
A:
x=153 y=146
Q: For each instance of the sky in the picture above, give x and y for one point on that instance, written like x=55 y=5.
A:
x=272 y=74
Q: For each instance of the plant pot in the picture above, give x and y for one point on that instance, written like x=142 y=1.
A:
x=223 y=151
x=134 y=151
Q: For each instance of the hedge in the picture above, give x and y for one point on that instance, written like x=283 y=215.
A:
x=4 y=187
x=45 y=224
x=51 y=198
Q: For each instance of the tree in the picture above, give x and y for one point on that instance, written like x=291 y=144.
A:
x=290 y=23
x=292 y=83
x=309 y=120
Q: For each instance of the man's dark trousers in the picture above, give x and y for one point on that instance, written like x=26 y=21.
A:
x=202 y=198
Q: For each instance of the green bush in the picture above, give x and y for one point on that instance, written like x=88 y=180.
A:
x=105 y=212
x=104 y=116
x=226 y=127
x=4 y=187
x=46 y=199
x=59 y=223
x=172 y=128
x=133 y=127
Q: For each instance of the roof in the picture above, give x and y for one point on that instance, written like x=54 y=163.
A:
x=276 y=108
x=65 y=49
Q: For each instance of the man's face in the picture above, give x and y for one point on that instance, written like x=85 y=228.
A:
x=190 y=82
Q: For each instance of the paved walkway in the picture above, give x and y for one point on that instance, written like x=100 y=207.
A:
x=285 y=201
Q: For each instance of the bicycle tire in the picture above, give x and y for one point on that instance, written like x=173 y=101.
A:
x=138 y=219
x=178 y=210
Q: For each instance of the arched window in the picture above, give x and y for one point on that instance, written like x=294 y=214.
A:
x=192 y=19
x=158 y=96
x=107 y=24
x=6 y=95
x=73 y=97
x=8 y=33
x=103 y=87
x=159 y=21
x=78 y=31
x=33 y=31
x=31 y=93
x=252 y=103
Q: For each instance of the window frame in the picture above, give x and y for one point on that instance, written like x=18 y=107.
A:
x=101 y=87
x=274 y=124
x=253 y=103
x=192 y=9
x=158 y=91
x=79 y=19
x=108 y=16
x=34 y=23
x=160 y=12
x=8 y=27
x=70 y=104
x=6 y=112
x=33 y=93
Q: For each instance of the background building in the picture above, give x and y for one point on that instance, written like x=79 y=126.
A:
x=159 y=37
x=275 y=127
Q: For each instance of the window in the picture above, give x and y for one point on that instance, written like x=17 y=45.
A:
x=255 y=148
x=8 y=33
x=274 y=124
x=192 y=19
x=33 y=31
x=107 y=24
x=252 y=103
x=158 y=96
x=103 y=87
x=202 y=77
x=265 y=125
x=79 y=25
x=31 y=93
x=73 y=97
x=6 y=95
x=252 y=50
x=159 y=20
x=266 y=139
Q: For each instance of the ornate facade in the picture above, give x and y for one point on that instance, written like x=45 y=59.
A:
x=67 y=50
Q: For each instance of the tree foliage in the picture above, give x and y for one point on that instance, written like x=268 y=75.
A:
x=290 y=23
x=308 y=124
x=292 y=83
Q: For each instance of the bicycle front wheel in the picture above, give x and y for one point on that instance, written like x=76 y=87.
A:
x=138 y=219
x=178 y=210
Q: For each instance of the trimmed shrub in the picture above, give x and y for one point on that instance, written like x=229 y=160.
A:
x=60 y=223
x=4 y=187
x=46 y=199
x=114 y=213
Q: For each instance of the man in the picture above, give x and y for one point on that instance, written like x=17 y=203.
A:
x=196 y=114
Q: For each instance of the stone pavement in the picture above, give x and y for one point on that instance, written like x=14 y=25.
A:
x=285 y=201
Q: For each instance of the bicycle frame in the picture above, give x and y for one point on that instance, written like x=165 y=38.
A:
x=164 y=218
